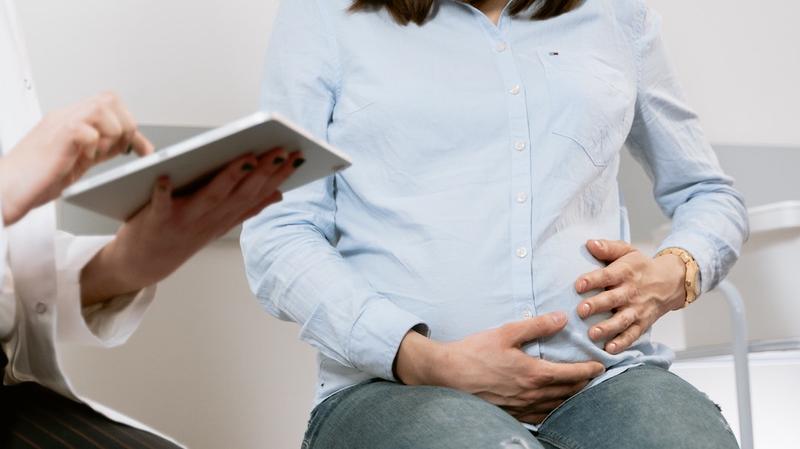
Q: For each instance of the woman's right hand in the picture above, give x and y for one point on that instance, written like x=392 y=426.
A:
x=493 y=366
x=61 y=148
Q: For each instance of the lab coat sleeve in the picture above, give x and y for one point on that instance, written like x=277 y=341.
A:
x=108 y=324
x=709 y=218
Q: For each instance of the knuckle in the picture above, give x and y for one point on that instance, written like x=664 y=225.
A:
x=628 y=272
x=108 y=97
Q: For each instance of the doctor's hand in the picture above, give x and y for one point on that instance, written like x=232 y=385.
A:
x=493 y=366
x=171 y=229
x=61 y=148
x=637 y=289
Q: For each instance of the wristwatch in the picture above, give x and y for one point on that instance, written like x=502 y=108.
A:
x=692 y=282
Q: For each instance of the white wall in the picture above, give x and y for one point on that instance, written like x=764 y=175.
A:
x=176 y=62
x=739 y=62
x=184 y=62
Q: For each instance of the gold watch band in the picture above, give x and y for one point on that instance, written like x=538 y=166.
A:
x=692 y=270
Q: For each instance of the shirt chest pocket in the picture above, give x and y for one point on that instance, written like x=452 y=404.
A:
x=591 y=102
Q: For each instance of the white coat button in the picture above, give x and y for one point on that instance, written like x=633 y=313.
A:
x=41 y=307
x=520 y=145
x=501 y=47
x=522 y=197
x=515 y=90
x=522 y=252
x=527 y=314
x=28 y=84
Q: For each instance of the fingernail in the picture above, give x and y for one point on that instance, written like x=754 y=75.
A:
x=248 y=167
x=298 y=162
x=586 y=309
x=598 y=244
x=558 y=317
x=612 y=347
x=582 y=285
x=596 y=332
x=279 y=160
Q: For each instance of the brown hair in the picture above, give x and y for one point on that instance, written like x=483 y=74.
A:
x=418 y=11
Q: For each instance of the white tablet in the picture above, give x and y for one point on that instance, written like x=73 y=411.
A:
x=120 y=192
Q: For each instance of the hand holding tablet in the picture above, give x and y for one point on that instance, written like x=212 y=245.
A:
x=121 y=192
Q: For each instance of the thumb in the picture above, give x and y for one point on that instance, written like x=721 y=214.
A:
x=608 y=250
x=525 y=331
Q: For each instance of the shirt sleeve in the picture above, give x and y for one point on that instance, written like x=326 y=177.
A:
x=291 y=260
x=709 y=218
x=108 y=324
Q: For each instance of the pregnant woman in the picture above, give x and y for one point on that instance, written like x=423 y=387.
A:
x=467 y=282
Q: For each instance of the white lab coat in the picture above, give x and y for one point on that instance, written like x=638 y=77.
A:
x=40 y=267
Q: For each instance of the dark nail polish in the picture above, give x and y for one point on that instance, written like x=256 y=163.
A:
x=279 y=160
x=248 y=167
x=298 y=162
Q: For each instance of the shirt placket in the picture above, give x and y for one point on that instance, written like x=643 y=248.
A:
x=519 y=147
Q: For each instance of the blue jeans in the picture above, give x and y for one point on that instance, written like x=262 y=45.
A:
x=644 y=408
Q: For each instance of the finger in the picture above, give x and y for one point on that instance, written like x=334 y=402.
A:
x=614 y=326
x=229 y=224
x=268 y=164
x=140 y=145
x=551 y=393
x=521 y=332
x=161 y=199
x=625 y=340
x=219 y=189
x=535 y=408
x=606 y=301
x=610 y=276
x=86 y=139
x=568 y=373
x=129 y=126
x=275 y=197
x=502 y=401
x=283 y=173
x=608 y=250
x=108 y=125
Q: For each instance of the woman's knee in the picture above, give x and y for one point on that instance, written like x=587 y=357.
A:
x=388 y=415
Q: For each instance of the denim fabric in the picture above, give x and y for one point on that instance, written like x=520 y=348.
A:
x=644 y=408
x=483 y=157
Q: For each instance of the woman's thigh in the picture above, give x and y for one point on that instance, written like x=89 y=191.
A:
x=385 y=415
x=645 y=407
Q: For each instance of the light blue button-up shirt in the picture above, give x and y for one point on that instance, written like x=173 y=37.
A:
x=484 y=158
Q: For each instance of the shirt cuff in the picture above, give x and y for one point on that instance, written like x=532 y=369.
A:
x=703 y=251
x=376 y=336
x=108 y=324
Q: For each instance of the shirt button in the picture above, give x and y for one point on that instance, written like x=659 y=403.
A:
x=41 y=308
x=522 y=197
x=515 y=90
x=527 y=314
x=28 y=84
x=501 y=47
x=519 y=146
x=522 y=252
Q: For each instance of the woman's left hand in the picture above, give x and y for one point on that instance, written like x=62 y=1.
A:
x=638 y=290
